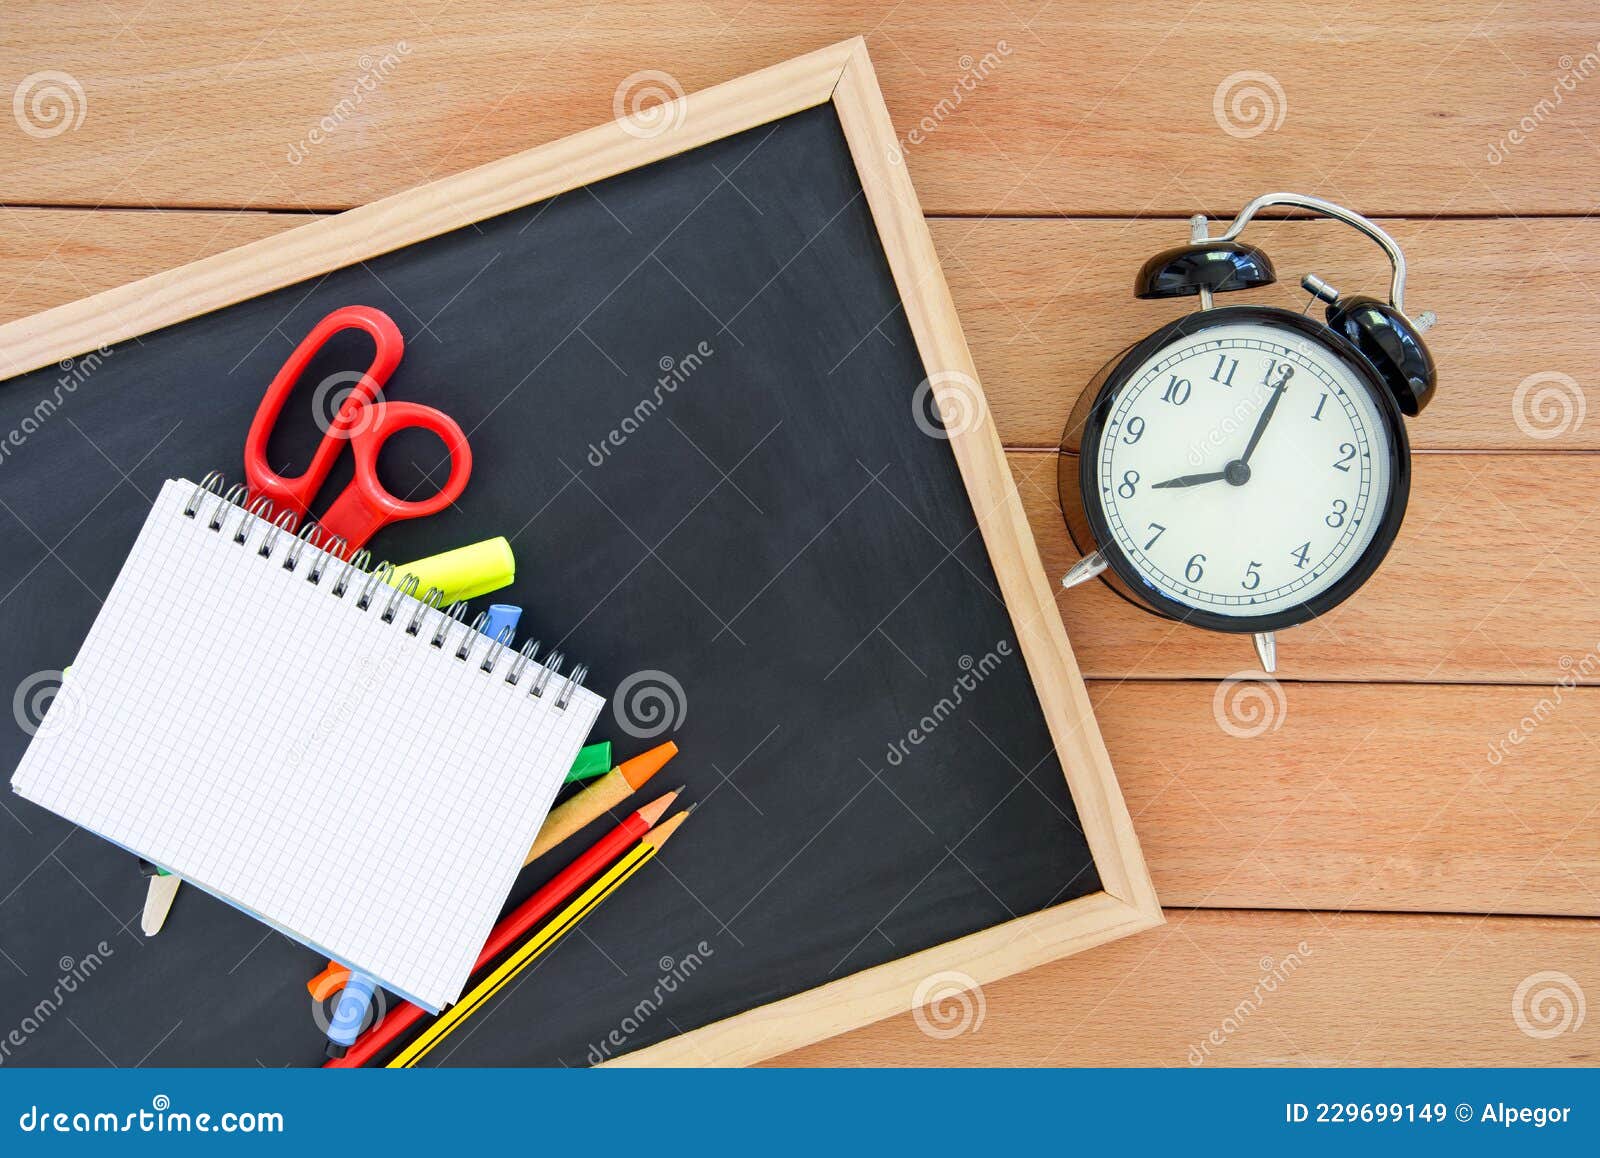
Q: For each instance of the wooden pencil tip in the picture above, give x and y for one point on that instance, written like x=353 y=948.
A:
x=657 y=808
x=660 y=833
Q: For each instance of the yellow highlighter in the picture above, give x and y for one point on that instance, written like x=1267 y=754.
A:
x=465 y=573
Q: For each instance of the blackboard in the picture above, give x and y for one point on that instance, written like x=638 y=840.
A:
x=692 y=393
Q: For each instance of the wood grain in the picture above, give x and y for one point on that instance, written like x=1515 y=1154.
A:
x=1363 y=795
x=1046 y=303
x=1493 y=579
x=1346 y=990
x=55 y=256
x=1082 y=108
x=1041 y=319
x=319 y=245
x=1352 y=796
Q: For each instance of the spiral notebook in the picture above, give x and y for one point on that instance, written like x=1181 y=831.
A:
x=297 y=735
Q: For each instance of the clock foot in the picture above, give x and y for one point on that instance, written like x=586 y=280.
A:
x=1267 y=650
x=1084 y=569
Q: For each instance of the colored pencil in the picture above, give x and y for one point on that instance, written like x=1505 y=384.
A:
x=534 y=947
x=604 y=794
x=521 y=919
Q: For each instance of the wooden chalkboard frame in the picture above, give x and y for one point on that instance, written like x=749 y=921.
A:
x=843 y=74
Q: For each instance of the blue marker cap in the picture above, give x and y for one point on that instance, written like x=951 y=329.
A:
x=350 y=1013
x=500 y=617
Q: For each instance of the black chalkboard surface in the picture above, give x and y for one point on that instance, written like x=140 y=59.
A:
x=689 y=392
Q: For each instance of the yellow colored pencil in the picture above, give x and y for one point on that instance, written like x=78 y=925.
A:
x=561 y=924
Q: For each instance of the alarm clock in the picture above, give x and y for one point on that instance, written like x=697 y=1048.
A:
x=1245 y=468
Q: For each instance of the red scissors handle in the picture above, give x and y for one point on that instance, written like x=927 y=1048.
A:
x=297 y=492
x=365 y=423
x=365 y=505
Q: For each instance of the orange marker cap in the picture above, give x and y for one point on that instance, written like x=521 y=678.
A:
x=328 y=982
x=646 y=764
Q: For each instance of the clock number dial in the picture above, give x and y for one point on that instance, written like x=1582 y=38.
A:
x=1177 y=391
x=1244 y=517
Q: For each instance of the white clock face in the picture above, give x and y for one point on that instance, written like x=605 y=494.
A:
x=1244 y=470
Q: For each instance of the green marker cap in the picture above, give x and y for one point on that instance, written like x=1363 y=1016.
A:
x=593 y=760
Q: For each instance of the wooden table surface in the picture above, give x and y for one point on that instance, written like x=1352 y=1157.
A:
x=1437 y=904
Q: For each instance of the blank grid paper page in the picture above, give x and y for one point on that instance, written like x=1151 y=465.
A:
x=270 y=741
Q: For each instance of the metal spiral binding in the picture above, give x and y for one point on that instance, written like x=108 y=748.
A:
x=319 y=551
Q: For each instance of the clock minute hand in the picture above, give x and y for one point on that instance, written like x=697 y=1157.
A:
x=1261 y=423
x=1188 y=480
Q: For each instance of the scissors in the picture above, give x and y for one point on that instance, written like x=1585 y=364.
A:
x=364 y=421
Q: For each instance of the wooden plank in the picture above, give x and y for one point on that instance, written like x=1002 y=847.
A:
x=319 y=245
x=1046 y=303
x=1350 y=796
x=1041 y=320
x=1492 y=580
x=1276 y=989
x=55 y=256
x=1039 y=109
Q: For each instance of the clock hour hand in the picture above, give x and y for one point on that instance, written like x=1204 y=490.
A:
x=1189 y=480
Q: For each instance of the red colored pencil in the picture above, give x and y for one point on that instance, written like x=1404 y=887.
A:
x=521 y=919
